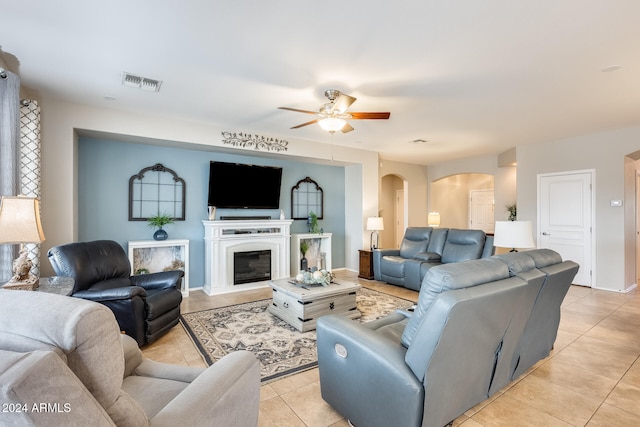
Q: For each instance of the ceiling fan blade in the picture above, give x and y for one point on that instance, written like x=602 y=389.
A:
x=342 y=102
x=347 y=128
x=370 y=116
x=305 y=124
x=297 y=110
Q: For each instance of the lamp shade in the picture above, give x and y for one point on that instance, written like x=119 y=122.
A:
x=433 y=219
x=20 y=220
x=332 y=124
x=375 y=223
x=513 y=234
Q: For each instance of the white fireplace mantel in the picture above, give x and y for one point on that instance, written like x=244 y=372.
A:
x=223 y=238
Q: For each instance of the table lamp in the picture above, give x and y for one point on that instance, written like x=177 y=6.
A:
x=20 y=223
x=433 y=219
x=513 y=234
x=374 y=224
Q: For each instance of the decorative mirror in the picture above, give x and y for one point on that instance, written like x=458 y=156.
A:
x=306 y=196
x=156 y=190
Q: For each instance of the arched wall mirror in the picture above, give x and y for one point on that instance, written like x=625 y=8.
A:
x=306 y=196
x=156 y=190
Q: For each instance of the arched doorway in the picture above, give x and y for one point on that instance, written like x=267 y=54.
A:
x=464 y=201
x=393 y=210
x=632 y=219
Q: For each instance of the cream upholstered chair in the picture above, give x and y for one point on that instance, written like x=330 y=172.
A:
x=69 y=351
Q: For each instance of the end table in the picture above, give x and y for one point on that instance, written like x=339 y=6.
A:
x=366 y=264
x=60 y=285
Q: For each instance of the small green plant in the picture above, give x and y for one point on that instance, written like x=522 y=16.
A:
x=313 y=223
x=513 y=212
x=304 y=247
x=159 y=220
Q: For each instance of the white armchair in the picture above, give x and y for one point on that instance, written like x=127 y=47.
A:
x=98 y=374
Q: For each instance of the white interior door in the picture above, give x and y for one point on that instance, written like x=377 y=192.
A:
x=565 y=219
x=481 y=210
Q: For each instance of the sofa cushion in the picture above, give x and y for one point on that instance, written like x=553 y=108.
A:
x=437 y=240
x=445 y=277
x=409 y=248
x=30 y=380
x=544 y=257
x=393 y=266
x=151 y=393
x=428 y=256
x=463 y=245
x=415 y=240
x=517 y=262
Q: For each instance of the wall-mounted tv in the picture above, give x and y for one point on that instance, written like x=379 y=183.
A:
x=240 y=186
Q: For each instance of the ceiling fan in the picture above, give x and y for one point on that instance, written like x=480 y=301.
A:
x=333 y=115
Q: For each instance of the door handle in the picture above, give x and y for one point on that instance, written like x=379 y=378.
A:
x=544 y=233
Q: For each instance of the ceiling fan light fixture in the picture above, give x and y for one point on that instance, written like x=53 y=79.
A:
x=332 y=124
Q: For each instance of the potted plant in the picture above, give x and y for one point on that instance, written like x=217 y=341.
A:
x=513 y=212
x=313 y=223
x=304 y=247
x=158 y=221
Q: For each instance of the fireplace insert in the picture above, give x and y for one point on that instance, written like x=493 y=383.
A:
x=251 y=266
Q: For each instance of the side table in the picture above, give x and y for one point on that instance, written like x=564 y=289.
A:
x=60 y=285
x=366 y=264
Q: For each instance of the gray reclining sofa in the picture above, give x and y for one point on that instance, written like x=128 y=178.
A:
x=477 y=326
x=426 y=247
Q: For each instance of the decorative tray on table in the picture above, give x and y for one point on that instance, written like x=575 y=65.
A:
x=318 y=277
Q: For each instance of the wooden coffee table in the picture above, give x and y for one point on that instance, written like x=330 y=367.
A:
x=301 y=306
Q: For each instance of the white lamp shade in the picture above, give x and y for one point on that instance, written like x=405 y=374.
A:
x=332 y=124
x=20 y=220
x=375 y=223
x=433 y=219
x=513 y=234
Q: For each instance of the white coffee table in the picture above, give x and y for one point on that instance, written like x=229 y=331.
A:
x=301 y=306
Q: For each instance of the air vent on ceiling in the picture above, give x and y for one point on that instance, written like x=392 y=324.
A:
x=144 y=83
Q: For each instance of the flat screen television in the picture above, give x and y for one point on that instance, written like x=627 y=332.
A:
x=240 y=186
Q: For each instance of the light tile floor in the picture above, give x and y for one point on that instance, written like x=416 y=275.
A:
x=591 y=378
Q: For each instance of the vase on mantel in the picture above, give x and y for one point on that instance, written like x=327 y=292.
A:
x=304 y=264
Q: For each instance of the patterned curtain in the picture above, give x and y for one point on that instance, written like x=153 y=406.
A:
x=9 y=155
x=30 y=183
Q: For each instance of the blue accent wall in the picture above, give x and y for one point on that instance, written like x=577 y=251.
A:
x=104 y=169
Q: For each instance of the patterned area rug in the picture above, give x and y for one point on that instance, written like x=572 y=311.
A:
x=281 y=349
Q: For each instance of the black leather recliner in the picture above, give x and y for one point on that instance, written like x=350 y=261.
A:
x=145 y=306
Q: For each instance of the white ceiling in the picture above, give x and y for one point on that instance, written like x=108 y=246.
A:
x=471 y=77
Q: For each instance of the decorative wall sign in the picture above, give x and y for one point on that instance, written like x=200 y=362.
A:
x=257 y=142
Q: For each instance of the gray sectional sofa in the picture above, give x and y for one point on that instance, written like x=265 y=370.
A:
x=426 y=247
x=478 y=325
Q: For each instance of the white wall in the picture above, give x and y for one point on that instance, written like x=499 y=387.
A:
x=504 y=178
x=416 y=177
x=59 y=164
x=449 y=196
x=389 y=187
x=605 y=152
